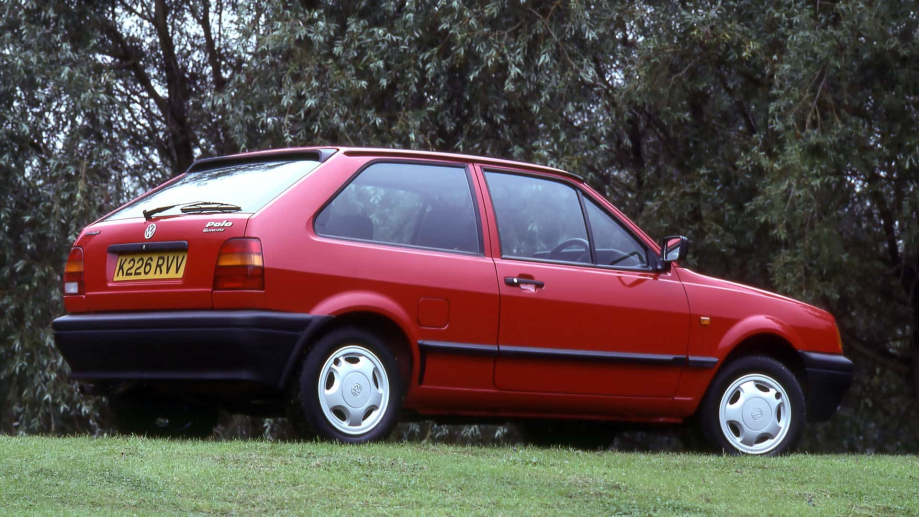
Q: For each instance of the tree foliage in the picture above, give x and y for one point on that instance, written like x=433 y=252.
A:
x=777 y=135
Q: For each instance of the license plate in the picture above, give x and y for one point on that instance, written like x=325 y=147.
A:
x=150 y=266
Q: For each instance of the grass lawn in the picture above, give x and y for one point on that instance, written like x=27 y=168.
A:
x=143 y=476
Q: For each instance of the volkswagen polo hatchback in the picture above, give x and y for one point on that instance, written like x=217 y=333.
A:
x=348 y=288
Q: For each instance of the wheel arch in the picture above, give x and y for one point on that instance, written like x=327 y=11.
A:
x=765 y=343
x=763 y=335
x=383 y=327
x=772 y=345
x=369 y=311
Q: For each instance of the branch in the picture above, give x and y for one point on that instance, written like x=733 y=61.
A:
x=545 y=22
x=814 y=110
x=213 y=56
x=130 y=8
x=608 y=88
x=887 y=218
x=738 y=103
x=128 y=58
x=893 y=363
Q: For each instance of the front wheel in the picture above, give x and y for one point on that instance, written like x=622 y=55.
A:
x=349 y=390
x=755 y=406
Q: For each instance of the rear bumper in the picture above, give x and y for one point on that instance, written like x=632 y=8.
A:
x=828 y=379
x=176 y=346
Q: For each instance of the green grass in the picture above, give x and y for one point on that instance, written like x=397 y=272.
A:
x=144 y=476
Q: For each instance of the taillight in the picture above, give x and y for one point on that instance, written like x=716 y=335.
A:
x=240 y=265
x=73 y=272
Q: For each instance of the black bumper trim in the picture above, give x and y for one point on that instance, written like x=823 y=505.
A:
x=828 y=379
x=287 y=321
x=220 y=345
x=831 y=362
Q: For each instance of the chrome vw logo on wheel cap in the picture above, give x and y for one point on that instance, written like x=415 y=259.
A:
x=356 y=390
x=150 y=231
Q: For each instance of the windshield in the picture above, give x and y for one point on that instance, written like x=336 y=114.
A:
x=249 y=186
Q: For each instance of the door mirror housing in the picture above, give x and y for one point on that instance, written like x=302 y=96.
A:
x=673 y=249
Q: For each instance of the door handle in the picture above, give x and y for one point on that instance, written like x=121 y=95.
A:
x=514 y=281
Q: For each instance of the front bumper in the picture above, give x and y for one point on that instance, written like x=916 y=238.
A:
x=177 y=346
x=828 y=379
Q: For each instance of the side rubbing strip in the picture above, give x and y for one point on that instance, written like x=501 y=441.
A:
x=424 y=347
x=561 y=353
x=696 y=361
x=613 y=357
x=462 y=348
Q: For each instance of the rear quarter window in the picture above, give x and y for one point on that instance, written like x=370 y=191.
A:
x=418 y=205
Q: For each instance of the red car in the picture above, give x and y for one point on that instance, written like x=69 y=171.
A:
x=349 y=287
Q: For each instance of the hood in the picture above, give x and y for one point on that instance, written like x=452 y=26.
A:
x=687 y=276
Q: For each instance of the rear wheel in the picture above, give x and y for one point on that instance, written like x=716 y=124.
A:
x=146 y=415
x=349 y=389
x=755 y=406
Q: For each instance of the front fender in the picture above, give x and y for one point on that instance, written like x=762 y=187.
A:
x=695 y=380
x=749 y=327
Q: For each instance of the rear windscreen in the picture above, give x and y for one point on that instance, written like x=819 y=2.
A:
x=249 y=186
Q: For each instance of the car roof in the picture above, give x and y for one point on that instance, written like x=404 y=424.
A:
x=325 y=152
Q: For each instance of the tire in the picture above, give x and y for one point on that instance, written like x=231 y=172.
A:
x=588 y=435
x=144 y=415
x=755 y=406
x=361 y=392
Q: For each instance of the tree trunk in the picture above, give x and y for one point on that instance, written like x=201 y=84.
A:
x=180 y=133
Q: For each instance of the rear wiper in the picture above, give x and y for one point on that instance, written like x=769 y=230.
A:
x=209 y=207
x=194 y=206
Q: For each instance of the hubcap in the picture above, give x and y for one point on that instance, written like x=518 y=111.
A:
x=353 y=390
x=755 y=414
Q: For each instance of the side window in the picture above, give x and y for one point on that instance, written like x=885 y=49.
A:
x=538 y=218
x=614 y=246
x=408 y=204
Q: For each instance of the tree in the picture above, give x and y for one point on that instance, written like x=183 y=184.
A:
x=776 y=135
x=56 y=171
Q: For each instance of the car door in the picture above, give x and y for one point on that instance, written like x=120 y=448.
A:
x=581 y=309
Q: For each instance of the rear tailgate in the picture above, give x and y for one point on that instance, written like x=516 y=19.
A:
x=166 y=264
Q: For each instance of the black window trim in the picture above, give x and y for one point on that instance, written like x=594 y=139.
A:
x=467 y=168
x=590 y=231
x=641 y=242
x=581 y=193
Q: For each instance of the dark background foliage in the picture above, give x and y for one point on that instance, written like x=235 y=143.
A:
x=780 y=136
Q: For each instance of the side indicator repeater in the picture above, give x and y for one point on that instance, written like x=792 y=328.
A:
x=705 y=321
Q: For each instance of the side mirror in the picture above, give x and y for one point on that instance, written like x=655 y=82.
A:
x=673 y=248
